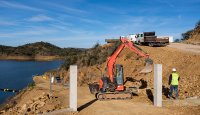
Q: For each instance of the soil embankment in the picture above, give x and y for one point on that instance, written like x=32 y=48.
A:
x=184 y=60
x=38 y=100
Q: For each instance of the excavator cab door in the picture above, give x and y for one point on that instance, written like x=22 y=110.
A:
x=119 y=78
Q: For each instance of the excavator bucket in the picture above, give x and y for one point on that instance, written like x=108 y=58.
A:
x=148 y=66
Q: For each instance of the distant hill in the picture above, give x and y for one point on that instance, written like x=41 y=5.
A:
x=37 y=49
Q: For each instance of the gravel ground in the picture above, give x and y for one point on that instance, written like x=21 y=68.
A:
x=186 y=47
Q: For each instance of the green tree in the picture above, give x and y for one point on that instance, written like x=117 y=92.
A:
x=187 y=34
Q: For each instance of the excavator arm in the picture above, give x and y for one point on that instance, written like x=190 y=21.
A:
x=112 y=59
x=108 y=88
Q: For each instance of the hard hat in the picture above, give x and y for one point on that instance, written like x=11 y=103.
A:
x=173 y=69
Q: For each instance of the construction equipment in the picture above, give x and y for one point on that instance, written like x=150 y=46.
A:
x=149 y=38
x=112 y=87
x=146 y=38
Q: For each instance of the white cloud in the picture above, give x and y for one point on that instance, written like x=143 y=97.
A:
x=137 y=24
x=108 y=9
x=18 y=6
x=50 y=30
x=91 y=21
x=67 y=9
x=40 y=18
x=7 y=23
x=179 y=17
x=72 y=10
x=33 y=31
x=170 y=4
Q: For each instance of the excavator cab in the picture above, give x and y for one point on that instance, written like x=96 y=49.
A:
x=105 y=85
x=118 y=81
x=119 y=78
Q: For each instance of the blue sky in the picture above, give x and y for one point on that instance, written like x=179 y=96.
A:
x=82 y=23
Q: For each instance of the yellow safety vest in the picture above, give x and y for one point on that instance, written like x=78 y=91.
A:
x=175 y=77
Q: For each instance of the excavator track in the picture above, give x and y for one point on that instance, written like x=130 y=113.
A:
x=114 y=96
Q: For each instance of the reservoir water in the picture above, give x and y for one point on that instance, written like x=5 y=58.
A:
x=18 y=74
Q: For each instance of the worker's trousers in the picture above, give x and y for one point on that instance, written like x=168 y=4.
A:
x=173 y=88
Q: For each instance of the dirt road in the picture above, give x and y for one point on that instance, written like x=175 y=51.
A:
x=88 y=105
x=186 y=47
x=139 y=105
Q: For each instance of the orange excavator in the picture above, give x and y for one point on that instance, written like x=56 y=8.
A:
x=112 y=86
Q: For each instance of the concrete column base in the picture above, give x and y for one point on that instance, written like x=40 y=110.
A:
x=73 y=88
x=158 y=85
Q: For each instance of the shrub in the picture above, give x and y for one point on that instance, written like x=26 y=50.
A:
x=186 y=35
x=92 y=56
x=128 y=56
x=31 y=85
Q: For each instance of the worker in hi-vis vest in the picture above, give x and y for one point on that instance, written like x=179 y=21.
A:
x=173 y=82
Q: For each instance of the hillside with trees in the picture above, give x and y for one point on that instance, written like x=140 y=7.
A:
x=38 y=49
x=96 y=55
x=192 y=36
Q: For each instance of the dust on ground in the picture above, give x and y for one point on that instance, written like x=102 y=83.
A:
x=186 y=47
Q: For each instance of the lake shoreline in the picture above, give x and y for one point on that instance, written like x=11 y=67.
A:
x=23 y=66
x=11 y=101
x=30 y=58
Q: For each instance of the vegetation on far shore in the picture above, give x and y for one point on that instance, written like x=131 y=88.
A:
x=80 y=56
x=38 y=49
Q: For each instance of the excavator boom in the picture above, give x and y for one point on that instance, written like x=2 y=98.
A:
x=112 y=59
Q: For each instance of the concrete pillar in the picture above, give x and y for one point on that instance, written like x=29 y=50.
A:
x=50 y=83
x=158 y=85
x=73 y=88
